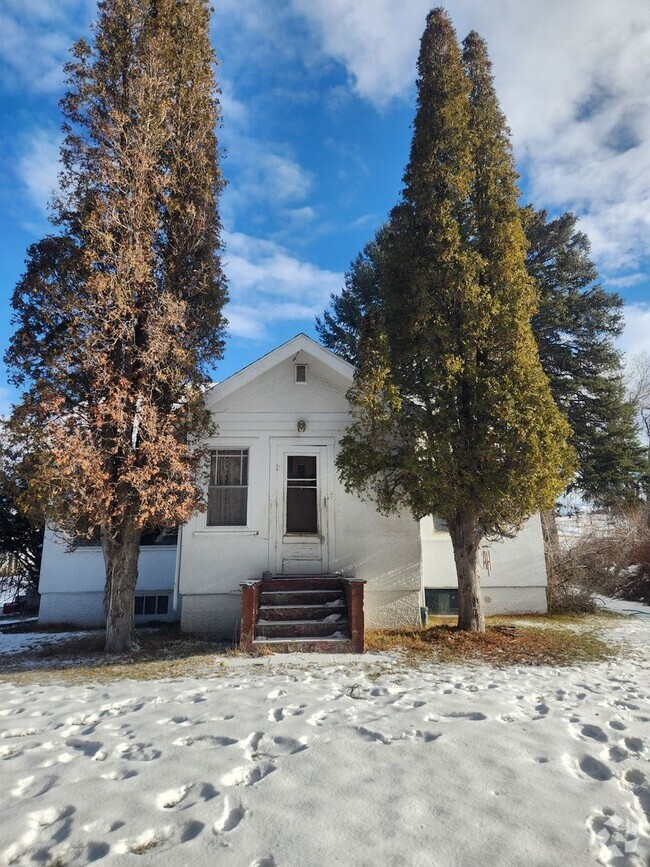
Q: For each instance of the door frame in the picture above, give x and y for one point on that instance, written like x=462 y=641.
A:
x=280 y=448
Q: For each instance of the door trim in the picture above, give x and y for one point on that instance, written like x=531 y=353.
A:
x=280 y=448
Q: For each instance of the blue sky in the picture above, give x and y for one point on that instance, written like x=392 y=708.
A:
x=318 y=98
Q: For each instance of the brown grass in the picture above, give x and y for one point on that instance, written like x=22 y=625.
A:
x=162 y=653
x=501 y=644
x=166 y=653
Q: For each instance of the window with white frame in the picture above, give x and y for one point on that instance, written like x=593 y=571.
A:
x=228 y=488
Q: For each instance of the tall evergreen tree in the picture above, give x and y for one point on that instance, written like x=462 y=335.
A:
x=119 y=315
x=452 y=414
x=340 y=328
x=575 y=326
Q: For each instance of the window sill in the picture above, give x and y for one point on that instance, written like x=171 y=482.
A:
x=239 y=531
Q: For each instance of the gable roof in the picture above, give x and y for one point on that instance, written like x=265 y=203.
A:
x=301 y=342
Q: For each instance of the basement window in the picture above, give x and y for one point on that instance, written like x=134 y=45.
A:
x=150 y=606
x=301 y=372
x=441 y=601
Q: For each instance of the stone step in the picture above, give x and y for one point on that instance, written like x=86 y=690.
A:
x=301 y=597
x=300 y=612
x=301 y=628
x=304 y=645
x=311 y=582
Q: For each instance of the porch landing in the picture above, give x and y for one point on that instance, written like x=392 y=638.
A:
x=313 y=613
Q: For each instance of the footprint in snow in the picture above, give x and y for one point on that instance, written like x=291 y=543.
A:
x=636 y=780
x=230 y=818
x=473 y=716
x=595 y=769
x=375 y=737
x=90 y=749
x=213 y=740
x=138 y=752
x=173 y=798
x=247 y=775
x=275 y=747
x=32 y=787
x=416 y=735
x=595 y=733
x=118 y=776
x=618 y=754
x=10 y=752
x=277 y=714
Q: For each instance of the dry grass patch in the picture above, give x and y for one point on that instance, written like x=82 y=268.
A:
x=501 y=644
x=162 y=653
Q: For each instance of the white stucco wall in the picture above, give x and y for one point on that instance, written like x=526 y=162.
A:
x=72 y=582
x=513 y=571
x=263 y=416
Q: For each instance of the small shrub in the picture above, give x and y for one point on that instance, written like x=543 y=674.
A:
x=611 y=558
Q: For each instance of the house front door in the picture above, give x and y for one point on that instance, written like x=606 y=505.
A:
x=301 y=515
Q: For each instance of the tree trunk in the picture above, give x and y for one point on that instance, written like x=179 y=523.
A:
x=121 y=549
x=551 y=550
x=465 y=539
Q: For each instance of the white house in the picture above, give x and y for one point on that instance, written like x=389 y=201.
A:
x=275 y=505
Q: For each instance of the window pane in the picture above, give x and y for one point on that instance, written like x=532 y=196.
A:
x=442 y=601
x=302 y=510
x=227 y=507
x=149 y=604
x=301 y=467
x=228 y=469
x=162 y=606
x=138 y=605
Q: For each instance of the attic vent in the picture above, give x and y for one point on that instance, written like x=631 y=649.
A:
x=301 y=372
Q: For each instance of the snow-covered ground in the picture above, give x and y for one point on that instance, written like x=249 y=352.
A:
x=335 y=760
x=17 y=642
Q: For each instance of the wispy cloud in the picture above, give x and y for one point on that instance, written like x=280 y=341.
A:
x=573 y=79
x=268 y=285
x=38 y=166
x=35 y=39
x=636 y=335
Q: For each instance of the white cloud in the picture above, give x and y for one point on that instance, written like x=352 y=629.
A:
x=264 y=175
x=268 y=285
x=636 y=335
x=7 y=399
x=233 y=111
x=626 y=281
x=38 y=166
x=35 y=39
x=572 y=77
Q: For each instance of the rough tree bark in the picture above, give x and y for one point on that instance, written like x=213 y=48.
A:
x=465 y=541
x=121 y=547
